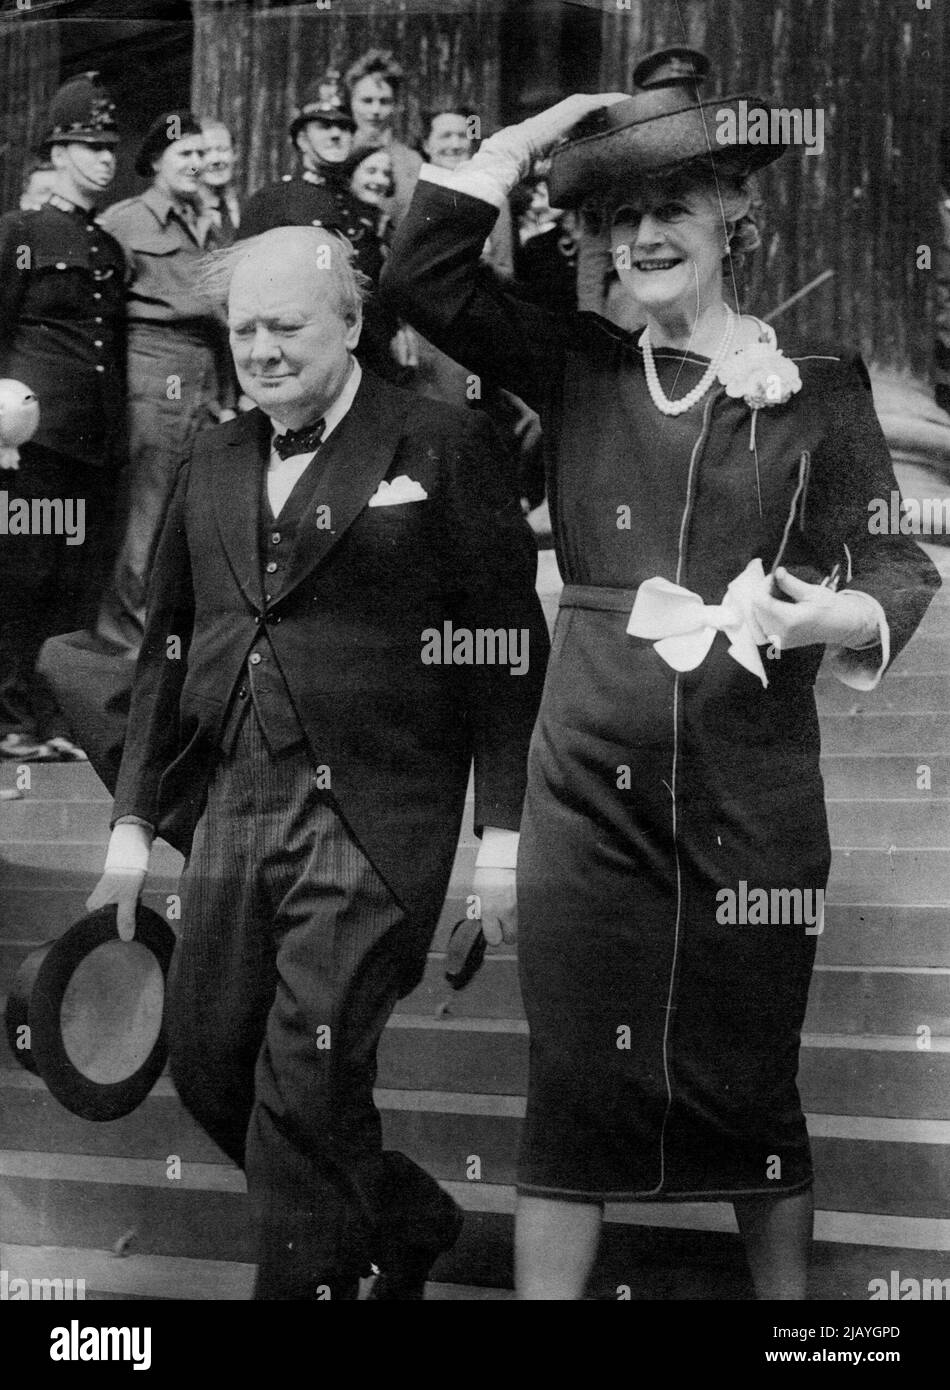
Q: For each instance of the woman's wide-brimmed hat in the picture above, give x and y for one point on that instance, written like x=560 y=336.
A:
x=666 y=123
x=85 y=1013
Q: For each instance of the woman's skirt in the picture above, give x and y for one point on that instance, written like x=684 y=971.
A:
x=671 y=874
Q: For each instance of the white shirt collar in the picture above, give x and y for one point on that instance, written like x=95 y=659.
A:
x=335 y=413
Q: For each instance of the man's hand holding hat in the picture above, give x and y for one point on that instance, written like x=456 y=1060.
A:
x=124 y=874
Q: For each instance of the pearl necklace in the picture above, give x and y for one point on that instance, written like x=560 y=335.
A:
x=663 y=402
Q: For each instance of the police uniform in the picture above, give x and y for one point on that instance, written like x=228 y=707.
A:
x=62 y=334
x=320 y=197
x=311 y=200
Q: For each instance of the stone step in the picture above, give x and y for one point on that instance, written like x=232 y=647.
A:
x=843 y=998
x=878 y=1076
x=872 y=733
x=923 y=655
x=920 y=820
x=680 y=1262
x=917 y=875
x=901 y=694
x=894 y=1001
x=886 y=776
x=460 y=1139
x=878 y=824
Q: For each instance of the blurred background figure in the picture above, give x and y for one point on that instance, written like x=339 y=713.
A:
x=216 y=181
x=179 y=373
x=450 y=137
x=319 y=194
x=546 y=243
x=316 y=193
x=61 y=333
x=373 y=86
x=39 y=181
x=368 y=174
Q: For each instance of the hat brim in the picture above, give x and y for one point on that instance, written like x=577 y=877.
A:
x=647 y=145
x=93 y=1007
x=298 y=123
x=97 y=137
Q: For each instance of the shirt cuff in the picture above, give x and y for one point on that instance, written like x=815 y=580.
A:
x=499 y=849
x=861 y=668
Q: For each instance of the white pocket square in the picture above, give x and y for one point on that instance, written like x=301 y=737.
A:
x=401 y=489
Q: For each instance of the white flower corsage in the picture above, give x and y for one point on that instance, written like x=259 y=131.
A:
x=760 y=373
x=763 y=376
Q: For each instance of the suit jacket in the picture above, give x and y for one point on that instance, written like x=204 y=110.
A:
x=363 y=585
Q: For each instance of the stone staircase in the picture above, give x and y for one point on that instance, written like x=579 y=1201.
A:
x=94 y=1201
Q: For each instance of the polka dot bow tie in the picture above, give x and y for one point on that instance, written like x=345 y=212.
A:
x=302 y=441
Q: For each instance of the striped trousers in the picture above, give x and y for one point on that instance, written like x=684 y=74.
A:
x=293 y=954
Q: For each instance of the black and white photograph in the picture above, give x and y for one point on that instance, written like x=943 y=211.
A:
x=474 y=664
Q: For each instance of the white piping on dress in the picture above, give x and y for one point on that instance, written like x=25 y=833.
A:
x=687 y=510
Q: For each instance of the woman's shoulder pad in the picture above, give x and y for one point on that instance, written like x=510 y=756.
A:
x=829 y=362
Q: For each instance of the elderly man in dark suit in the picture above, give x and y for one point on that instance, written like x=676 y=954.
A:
x=308 y=700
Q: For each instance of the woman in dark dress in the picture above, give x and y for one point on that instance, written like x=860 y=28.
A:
x=709 y=494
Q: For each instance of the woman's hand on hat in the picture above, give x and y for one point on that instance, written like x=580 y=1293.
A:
x=545 y=129
x=817 y=614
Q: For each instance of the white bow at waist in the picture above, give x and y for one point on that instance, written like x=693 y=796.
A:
x=684 y=628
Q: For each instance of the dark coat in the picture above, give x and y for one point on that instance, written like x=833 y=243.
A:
x=346 y=628
x=650 y=790
x=62 y=327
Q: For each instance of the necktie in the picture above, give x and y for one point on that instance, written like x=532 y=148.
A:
x=302 y=441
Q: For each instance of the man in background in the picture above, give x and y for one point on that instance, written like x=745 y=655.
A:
x=179 y=377
x=62 y=332
x=219 y=200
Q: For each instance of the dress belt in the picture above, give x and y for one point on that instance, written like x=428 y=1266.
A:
x=598 y=597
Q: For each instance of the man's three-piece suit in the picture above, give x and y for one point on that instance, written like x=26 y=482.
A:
x=325 y=764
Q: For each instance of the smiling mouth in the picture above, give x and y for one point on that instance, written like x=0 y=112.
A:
x=648 y=266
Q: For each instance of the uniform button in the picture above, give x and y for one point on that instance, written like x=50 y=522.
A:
x=97 y=295
x=90 y=226
x=267 y=598
x=60 y=265
x=271 y=567
x=275 y=538
x=100 y=367
x=98 y=343
x=256 y=658
x=98 y=320
x=256 y=618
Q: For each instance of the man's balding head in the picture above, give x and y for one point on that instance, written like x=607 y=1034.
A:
x=294 y=314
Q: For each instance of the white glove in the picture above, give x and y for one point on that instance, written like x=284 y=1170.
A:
x=124 y=875
x=817 y=614
x=507 y=155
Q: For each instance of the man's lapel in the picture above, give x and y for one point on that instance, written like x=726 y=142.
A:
x=237 y=501
x=353 y=463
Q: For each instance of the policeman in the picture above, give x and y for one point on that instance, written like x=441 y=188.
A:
x=318 y=195
x=62 y=334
